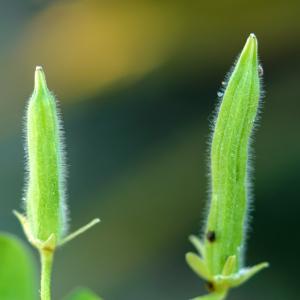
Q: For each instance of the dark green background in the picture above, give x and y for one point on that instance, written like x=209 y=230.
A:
x=137 y=83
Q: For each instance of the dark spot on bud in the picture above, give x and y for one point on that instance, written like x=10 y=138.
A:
x=211 y=236
x=210 y=286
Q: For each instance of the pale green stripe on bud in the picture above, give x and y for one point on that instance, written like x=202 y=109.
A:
x=45 y=195
x=221 y=249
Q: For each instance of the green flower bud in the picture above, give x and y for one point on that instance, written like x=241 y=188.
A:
x=45 y=194
x=221 y=250
x=46 y=215
x=229 y=156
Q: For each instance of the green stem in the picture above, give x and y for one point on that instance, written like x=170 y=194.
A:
x=47 y=262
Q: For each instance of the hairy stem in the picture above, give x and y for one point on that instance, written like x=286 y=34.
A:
x=46 y=270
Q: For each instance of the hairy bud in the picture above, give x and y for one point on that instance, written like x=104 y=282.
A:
x=45 y=194
x=221 y=250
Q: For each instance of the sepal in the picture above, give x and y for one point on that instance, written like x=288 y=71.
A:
x=198 y=265
x=198 y=245
x=50 y=244
x=245 y=274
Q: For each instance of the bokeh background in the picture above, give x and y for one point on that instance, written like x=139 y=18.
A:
x=137 y=83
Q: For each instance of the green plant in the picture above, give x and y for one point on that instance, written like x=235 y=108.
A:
x=220 y=259
x=45 y=222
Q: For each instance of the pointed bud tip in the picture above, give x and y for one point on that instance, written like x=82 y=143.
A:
x=252 y=40
x=40 y=84
x=252 y=36
x=39 y=68
x=97 y=220
x=250 y=49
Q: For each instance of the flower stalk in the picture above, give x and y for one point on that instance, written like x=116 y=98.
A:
x=46 y=263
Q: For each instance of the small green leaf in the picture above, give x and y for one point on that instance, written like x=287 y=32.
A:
x=82 y=294
x=197 y=265
x=18 y=280
x=246 y=273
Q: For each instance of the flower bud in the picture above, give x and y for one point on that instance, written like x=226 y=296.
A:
x=220 y=260
x=229 y=159
x=45 y=191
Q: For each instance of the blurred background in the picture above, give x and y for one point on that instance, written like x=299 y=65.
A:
x=137 y=82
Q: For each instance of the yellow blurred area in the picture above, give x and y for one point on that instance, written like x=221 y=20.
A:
x=88 y=44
